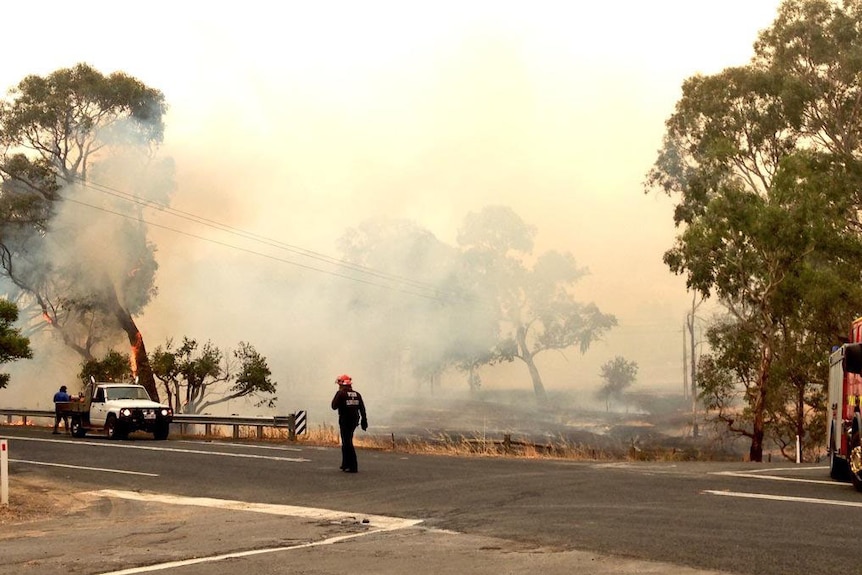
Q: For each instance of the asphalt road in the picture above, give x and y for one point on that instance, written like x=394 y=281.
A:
x=180 y=500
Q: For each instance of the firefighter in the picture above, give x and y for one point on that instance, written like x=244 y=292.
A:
x=351 y=413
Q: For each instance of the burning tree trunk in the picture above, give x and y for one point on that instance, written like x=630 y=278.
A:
x=140 y=362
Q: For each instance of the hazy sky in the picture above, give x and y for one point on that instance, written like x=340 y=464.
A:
x=298 y=120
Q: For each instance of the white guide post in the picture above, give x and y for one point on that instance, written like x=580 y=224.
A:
x=4 y=472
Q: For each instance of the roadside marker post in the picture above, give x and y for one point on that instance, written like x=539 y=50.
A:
x=300 y=421
x=4 y=472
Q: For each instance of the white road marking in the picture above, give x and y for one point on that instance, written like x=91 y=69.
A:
x=171 y=449
x=379 y=521
x=379 y=524
x=785 y=498
x=778 y=477
x=794 y=469
x=255 y=446
x=84 y=467
x=214 y=558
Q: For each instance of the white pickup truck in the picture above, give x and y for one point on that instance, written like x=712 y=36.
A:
x=116 y=409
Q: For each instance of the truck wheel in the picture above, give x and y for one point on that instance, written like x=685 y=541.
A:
x=78 y=429
x=161 y=431
x=112 y=428
x=855 y=461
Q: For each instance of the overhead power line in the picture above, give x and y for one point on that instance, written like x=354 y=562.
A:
x=403 y=284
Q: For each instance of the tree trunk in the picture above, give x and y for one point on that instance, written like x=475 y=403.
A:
x=755 y=453
x=527 y=357
x=538 y=386
x=800 y=417
x=141 y=367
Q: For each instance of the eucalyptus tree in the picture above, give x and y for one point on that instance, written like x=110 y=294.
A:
x=197 y=377
x=762 y=161
x=13 y=344
x=535 y=302
x=618 y=374
x=411 y=292
x=78 y=163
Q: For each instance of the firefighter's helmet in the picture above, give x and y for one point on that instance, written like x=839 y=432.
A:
x=344 y=380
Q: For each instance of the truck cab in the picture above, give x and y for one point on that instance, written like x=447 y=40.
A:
x=117 y=409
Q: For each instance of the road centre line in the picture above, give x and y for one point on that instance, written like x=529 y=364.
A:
x=378 y=523
x=784 y=498
x=778 y=478
x=229 y=444
x=84 y=467
x=170 y=449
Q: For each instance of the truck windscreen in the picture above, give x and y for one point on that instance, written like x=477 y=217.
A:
x=130 y=392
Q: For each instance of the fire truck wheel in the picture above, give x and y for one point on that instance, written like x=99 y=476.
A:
x=856 y=461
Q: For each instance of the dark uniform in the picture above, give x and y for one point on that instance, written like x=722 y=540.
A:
x=351 y=413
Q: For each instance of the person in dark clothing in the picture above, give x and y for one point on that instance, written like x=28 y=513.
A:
x=61 y=396
x=351 y=413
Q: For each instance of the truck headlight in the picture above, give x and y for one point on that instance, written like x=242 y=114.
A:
x=125 y=412
x=166 y=412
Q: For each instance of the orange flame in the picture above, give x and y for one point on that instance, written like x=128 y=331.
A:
x=47 y=317
x=20 y=423
x=137 y=350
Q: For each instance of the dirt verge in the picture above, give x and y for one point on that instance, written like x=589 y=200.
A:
x=32 y=499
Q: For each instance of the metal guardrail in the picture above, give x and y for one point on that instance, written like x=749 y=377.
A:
x=184 y=420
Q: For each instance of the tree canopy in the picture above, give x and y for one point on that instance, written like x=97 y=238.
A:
x=535 y=305
x=77 y=165
x=427 y=319
x=618 y=375
x=486 y=300
x=13 y=345
x=763 y=161
x=198 y=377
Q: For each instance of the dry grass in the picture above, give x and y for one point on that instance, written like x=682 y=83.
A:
x=477 y=444
x=434 y=444
x=32 y=499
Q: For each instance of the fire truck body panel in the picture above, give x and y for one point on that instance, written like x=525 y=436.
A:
x=843 y=417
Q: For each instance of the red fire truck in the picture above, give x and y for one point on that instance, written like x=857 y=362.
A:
x=844 y=419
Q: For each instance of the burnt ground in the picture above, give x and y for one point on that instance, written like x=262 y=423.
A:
x=652 y=427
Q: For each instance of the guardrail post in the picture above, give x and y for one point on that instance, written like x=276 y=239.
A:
x=236 y=431
x=260 y=432
x=208 y=429
x=288 y=421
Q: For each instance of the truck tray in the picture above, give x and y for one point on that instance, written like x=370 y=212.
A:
x=72 y=406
